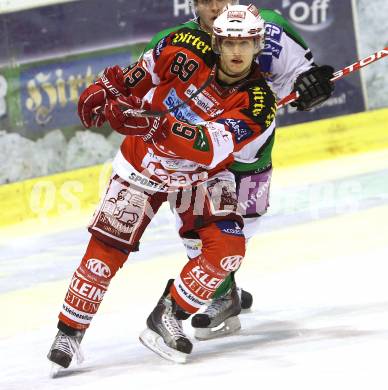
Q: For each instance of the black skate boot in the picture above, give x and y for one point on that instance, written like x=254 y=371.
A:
x=221 y=316
x=66 y=344
x=164 y=334
x=246 y=299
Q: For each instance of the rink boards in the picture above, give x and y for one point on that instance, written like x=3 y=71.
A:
x=70 y=193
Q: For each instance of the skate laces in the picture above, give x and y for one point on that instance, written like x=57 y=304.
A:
x=172 y=324
x=69 y=345
x=218 y=305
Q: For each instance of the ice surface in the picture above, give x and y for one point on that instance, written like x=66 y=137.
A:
x=317 y=271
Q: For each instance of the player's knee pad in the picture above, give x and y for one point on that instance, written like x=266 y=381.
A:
x=90 y=282
x=222 y=253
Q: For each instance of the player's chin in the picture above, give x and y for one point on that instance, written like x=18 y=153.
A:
x=237 y=66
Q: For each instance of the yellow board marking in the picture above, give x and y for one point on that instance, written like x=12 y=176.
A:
x=69 y=194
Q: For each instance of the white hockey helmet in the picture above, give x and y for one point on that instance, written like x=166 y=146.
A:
x=238 y=21
x=193 y=6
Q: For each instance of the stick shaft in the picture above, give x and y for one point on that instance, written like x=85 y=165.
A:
x=342 y=73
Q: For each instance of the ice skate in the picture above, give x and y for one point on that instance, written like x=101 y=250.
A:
x=164 y=334
x=63 y=350
x=246 y=299
x=221 y=316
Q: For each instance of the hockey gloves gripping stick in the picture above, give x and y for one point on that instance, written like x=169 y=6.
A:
x=89 y=104
x=313 y=87
x=93 y=98
x=125 y=116
x=293 y=96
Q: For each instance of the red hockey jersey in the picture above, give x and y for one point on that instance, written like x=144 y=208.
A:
x=208 y=131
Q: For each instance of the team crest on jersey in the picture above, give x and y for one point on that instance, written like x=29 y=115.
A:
x=239 y=128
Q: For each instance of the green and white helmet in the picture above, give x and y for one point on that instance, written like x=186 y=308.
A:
x=193 y=6
x=238 y=21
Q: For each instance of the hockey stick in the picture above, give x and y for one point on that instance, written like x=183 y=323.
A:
x=341 y=73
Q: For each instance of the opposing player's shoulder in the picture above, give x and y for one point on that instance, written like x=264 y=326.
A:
x=195 y=41
x=271 y=16
x=164 y=33
x=276 y=25
x=262 y=102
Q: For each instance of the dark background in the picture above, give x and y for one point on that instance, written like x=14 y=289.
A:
x=74 y=38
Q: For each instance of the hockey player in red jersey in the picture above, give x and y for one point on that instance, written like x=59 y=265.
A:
x=187 y=113
x=288 y=65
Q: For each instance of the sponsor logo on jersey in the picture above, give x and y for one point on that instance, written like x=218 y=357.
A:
x=159 y=47
x=182 y=113
x=190 y=297
x=258 y=96
x=98 y=267
x=87 y=290
x=78 y=316
x=142 y=180
x=177 y=164
x=206 y=104
x=192 y=40
x=271 y=49
x=275 y=49
x=200 y=100
x=239 y=128
x=230 y=227
x=271 y=116
x=273 y=32
x=231 y=263
x=204 y=279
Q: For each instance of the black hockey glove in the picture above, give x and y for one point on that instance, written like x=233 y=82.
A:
x=314 y=87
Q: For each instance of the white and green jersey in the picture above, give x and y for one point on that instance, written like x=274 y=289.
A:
x=284 y=57
x=285 y=54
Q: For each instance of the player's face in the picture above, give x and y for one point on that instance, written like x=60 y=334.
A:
x=208 y=10
x=237 y=55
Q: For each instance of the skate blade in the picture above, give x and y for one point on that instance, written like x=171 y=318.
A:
x=229 y=326
x=56 y=370
x=155 y=343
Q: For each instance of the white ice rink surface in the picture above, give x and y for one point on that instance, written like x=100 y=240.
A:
x=317 y=271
